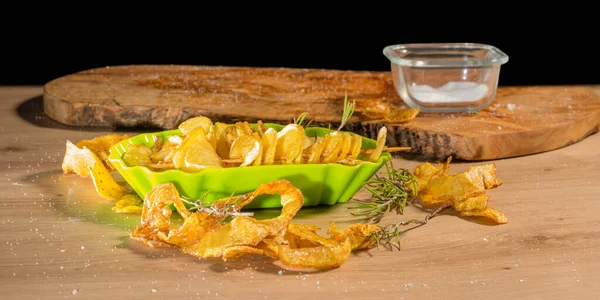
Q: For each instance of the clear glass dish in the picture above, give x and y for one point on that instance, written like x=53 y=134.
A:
x=446 y=77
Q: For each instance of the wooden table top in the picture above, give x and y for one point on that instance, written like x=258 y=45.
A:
x=61 y=240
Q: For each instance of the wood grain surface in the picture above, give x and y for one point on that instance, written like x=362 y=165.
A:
x=520 y=120
x=60 y=239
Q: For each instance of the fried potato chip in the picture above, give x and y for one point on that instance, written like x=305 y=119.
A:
x=156 y=216
x=163 y=154
x=465 y=191
x=401 y=115
x=333 y=145
x=240 y=251
x=168 y=149
x=355 y=147
x=78 y=160
x=158 y=143
x=316 y=151
x=243 y=128
x=320 y=257
x=346 y=146
x=203 y=234
x=378 y=110
x=247 y=231
x=83 y=162
x=230 y=135
x=269 y=143
x=260 y=128
x=290 y=142
x=105 y=184
x=129 y=204
x=189 y=125
x=211 y=137
x=196 y=154
x=303 y=236
x=100 y=146
x=248 y=148
x=380 y=143
x=360 y=235
x=137 y=155
x=222 y=146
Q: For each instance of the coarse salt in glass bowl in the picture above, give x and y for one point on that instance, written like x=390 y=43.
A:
x=446 y=77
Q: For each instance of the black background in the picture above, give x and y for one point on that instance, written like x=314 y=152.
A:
x=555 y=47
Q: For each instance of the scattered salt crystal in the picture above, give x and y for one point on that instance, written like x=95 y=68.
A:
x=522 y=280
x=154 y=290
x=280 y=272
x=500 y=127
x=511 y=106
x=75 y=291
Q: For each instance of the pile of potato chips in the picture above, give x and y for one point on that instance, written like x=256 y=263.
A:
x=204 y=235
x=204 y=144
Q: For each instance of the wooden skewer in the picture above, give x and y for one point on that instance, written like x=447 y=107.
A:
x=306 y=155
x=390 y=149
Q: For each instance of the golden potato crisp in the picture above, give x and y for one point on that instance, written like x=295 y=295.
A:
x=290 y=141
x=137 y=155
x=189 y=125
x=319 y=257
x=381 y=138
x=465 y=191
x=100 y=146
x=129 y=204
x=248 y=148
x=83 y=162
x=204 y=235
x=222 y=146
x=378 y=110
x=195 y=153
x=269 y=143
x=242 y=144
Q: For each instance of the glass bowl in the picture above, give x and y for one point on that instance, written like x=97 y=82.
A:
x=446 y=77
x=321 y=184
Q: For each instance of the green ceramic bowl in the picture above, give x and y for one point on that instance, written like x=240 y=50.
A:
x=320 y=183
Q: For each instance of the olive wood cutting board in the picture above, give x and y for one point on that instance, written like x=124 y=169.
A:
x=519 y=121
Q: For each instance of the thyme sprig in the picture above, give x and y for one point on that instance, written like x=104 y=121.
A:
x=301 y=120
x=391 y=193
x=228 y=210
x=347 y=112
x=389 y=236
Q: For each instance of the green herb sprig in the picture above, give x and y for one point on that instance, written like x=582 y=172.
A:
x=228 y=210
x=389 y=236
x=347 y=112
x=391 y=193
x=301 y=120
